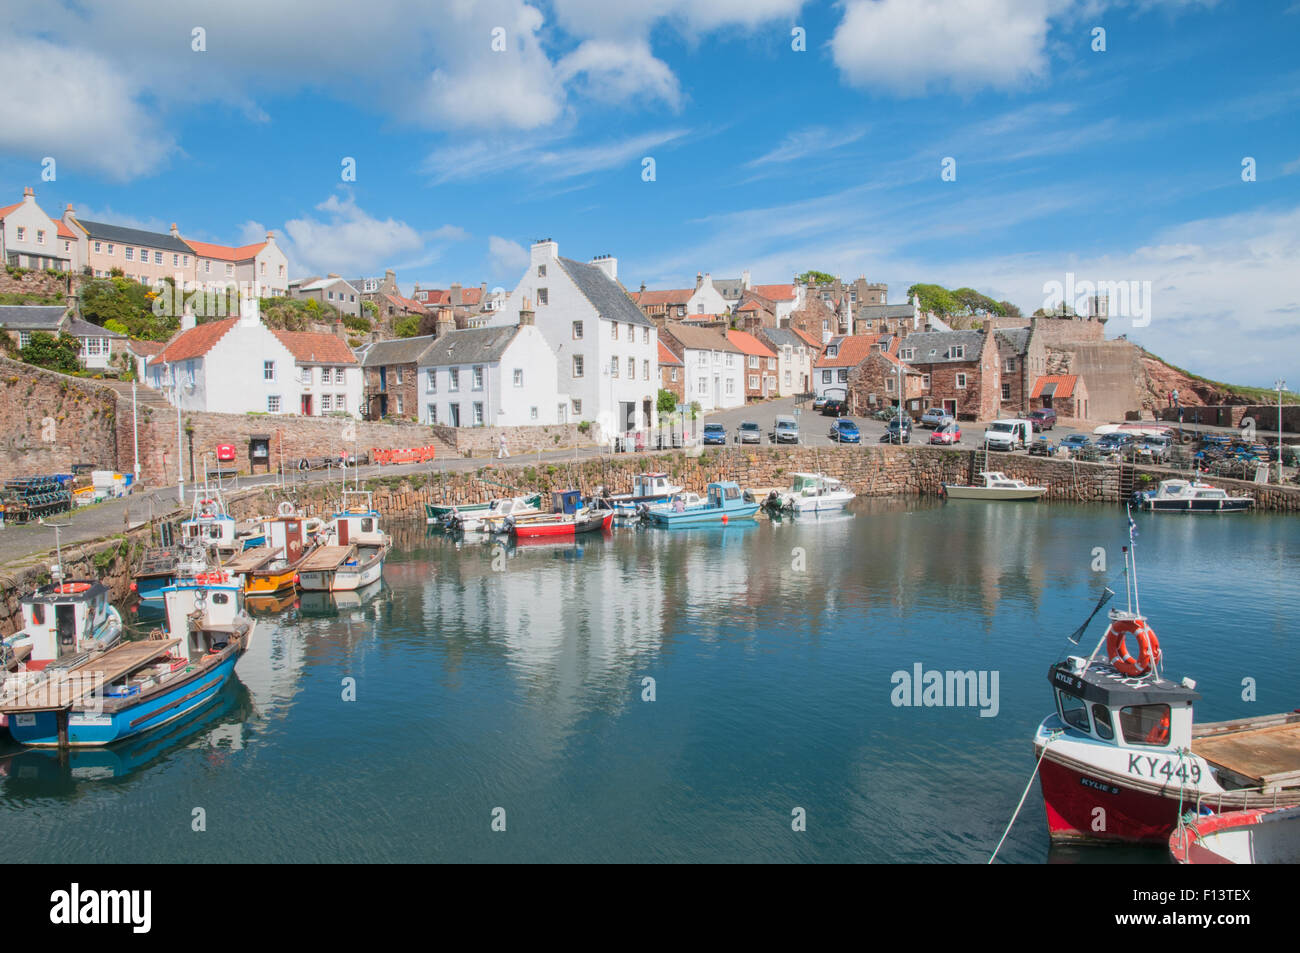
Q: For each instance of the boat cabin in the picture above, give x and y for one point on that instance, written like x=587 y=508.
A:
x=286 y=534
x=813 y=484
x=203 y=612
x=61 y=620
x=210 y=525
x=1096 y=699
x=358 y=522
x=567 y=501
x=653 y=485
x=724 y=495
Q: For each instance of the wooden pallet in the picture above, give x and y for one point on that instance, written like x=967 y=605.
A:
x=65 y=688
x=1266 y=757
x=326 y=558
x=251 y=559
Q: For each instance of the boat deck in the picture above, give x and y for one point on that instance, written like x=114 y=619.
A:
x=1259 y=755
x=326 y=558
x=251 y=560
x=70 y=686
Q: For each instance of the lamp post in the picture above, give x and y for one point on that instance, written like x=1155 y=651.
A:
x=1280 y=385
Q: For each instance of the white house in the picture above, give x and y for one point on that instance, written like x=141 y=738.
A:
x=31 y=239
x=793 y=360
x=238 y=365
x=499 y=376
x=606 y=349
x=331 y=290
x=714 y=367
x=262 y=263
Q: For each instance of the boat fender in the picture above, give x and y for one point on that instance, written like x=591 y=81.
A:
x=1117 y=648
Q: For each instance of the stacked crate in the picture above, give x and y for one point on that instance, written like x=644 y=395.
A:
x=29 y=498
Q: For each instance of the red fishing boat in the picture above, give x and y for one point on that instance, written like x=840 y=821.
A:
x=1267 y=836
x=1121 y=760
x=563 y=524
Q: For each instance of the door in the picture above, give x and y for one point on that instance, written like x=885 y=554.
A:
x=343 y=532
x=455 y=414
x=306 y=405
x=65 y=624
x=950 y=408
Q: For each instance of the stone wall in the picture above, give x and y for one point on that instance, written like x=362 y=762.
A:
x=35 y=283
x=52 y=421
x=486 y=441
x=1231 y=415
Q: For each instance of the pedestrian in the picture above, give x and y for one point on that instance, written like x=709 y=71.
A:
x=503 y=452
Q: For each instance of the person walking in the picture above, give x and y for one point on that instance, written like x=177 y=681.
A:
x=503 y=452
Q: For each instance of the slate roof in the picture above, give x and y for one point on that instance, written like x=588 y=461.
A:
x=134 y=236
x=1015 y=338
x=878 y=311
x=80 y=328
x=729 y=287
x=605 y=295
x=469 y=346
x=318 y=284
x=397 y=351
x=935 y=347
x=672 y=296
x=780 y=337
x=32 y=317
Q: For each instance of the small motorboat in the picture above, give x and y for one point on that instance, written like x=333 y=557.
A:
x=1190 y=496
x=648 y=489
x=562 y=524
x=441 y=513
x=724 y=502
x=494 y=518
x=1269 y=835
x=812 y=493
x=65 y=620
x=273 y=568
x=996 y=486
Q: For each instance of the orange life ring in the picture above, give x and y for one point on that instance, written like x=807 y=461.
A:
x=1117 y=649
x=69 y=588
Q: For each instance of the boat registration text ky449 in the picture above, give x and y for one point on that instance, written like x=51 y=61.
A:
x=1144 y=766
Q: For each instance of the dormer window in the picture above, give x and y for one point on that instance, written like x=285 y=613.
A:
x=958 y=352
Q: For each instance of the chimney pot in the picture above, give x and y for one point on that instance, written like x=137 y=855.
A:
x=29 y=192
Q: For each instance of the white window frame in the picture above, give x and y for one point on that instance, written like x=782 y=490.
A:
x=961 y=381
x=268 y=371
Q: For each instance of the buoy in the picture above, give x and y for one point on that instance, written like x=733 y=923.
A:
x=134 y=588
x=724 y=519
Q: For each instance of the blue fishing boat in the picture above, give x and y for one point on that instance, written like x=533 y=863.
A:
x=137 y=686
x=163 y=566
x=725 y=502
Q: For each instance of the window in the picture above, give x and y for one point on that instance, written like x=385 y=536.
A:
x=631 y=368
x=827 y=377
x=453 y=378
x=263 y=264
x=67 y=246
x=157 y=260
x=541 y=271
x=273 y=404
x=730 y=359
x=329 y=295
x=958 y=352
x=97 y=247
x=673 y=376
x=1010 y=365
x=1145 y=724
x=532 y=413
x=844 y=375
x=541 y=296
x=645 y=370
x=433 y=413
x=207 y=267
x=826 y=325
x=185 y=260
x=753 y=382
x=326 y=403
x=889 y=385
x=577 y=330
x=771 y=363
x=907 y=353
x=478 y=378
x=961 y=381
x=478 y=413
x=613 y=328
x=925 y=381
x=1073 y=711
x=577 y=408
x=645 y=335
x=577 y=367
x=130 y=254
x=341 y=402
x=787 y=378
x=1006 y=391
x=24 y=338
x=704 y=358
x=176 y=260
x=699 y=308
x=753 y=361
x=702 y=386
x=397 y=372
x=108 y=249
x=431 y=383
x=22 y=233
x=40 y=237
x=268 y=370
x=230 y=269
x=519 y=377
x=1101 y=721
x=731 y=386
x=613 y=367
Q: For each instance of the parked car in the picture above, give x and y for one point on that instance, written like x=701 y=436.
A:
x=934 y=417
x=715 y=433
x=1157 y=449
x=785 y=430
x=1113 y=442
x=1042 y=419
x=1009 y=434
x=820 y=402
x=1075 y=442
x=845 y=431
x=899 y=430
x=946 y=434
x=834 y=408
x=749 y=433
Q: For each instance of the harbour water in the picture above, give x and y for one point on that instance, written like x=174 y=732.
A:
x=516 y=679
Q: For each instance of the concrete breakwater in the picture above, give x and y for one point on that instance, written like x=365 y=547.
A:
x=874 y=471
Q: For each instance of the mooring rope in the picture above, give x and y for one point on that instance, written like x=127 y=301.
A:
x=1016 y=813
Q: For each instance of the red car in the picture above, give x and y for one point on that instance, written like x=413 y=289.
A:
x=947 y=434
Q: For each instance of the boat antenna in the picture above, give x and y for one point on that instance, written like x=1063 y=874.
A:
x=1132 y=551
x=58 y=549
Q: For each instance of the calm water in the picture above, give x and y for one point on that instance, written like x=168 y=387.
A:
x=521 y=688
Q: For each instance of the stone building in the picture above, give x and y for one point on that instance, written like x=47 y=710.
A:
x=672 y=376
x=959 y=371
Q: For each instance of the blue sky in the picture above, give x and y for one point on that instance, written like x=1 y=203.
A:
x=1122 y=165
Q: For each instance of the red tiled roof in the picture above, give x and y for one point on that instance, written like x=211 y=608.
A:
x=224 y=252
x=776 y=292
x=702 y=317
x=851 y=350
x=147 y=348
x=808 y=338
x=666 y=356
x=195 y=342
x=9 y=208
x=471 y=295
x=63 y=230
x=750 y=344
x=1064 y=384
x=898 y=363
x=410 y=304
x=436 y=296
x=673 y=296
x=315 y=347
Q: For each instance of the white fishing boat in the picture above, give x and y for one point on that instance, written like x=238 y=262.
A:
x=813 y=493
x=1190 y=496
x=495 y=515
x=352 y=548
x=996 y=486
x=65 y=620
x=685 y=498
x=1269 y=835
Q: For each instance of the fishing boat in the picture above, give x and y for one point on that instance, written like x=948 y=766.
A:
x=441 y=512
x=162 y=566
x=1121 y=759
x=210 y=525
x=563 y=524
x=724 y=502
x=1268 y=835
x=137 y=686
x=686 y=497
x=351 y=551
x=1190 y=496
x=66 y=619
x=498 y=511
x=648 y=489
x=995 y=486
x=273 y=568
x=812 y=493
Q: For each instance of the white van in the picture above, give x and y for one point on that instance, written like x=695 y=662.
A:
x=1013 y=433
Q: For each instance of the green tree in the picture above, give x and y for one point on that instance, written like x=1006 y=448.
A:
x=814 y=278
x=935 y=298
x=407 y=327
x=667 y=402
x=127 y=307
x=55 y=354
x=1009 y=309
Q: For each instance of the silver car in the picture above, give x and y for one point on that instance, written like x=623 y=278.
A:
x=749 y=433
x=785 y=430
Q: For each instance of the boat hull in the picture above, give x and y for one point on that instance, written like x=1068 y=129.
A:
x=992 y=493
x=346 y=577
x=269 y=583
x=562 y=528
x=1264 y=836
x=1229 y=505
x=150 y=588
x=40 y=729
x=704 y=517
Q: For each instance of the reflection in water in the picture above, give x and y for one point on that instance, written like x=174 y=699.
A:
x=508 y=675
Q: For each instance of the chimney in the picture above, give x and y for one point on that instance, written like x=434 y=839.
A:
x=526 y=314
x=543 y=250
x=390 y=275
x=699 y=279
x=744 y=279
x=29 y=194
x=446 y=319
x=643 y=287
x=608 y=264
x=339 y=330
x=270 y=236
x=334 y=275
x=454 y=296
x=175 y=233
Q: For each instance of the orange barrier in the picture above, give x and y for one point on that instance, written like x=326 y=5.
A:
x=404 y=455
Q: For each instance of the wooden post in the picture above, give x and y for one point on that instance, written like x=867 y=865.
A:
x=61 y=719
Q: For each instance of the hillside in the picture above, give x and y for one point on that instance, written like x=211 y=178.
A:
x=1161 y=377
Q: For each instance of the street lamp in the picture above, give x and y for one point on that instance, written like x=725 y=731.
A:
x=175 y=388
x=1280 y=386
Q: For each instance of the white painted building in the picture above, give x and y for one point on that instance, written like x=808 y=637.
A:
x=714 y=368
x=496 y=376
x=238 y=365
x=31 y=239
x=606 y=349
x=793 y=360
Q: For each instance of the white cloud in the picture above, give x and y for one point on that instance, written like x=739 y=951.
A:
x=815 y=140
x=507 y=258
x=539 y=162
x=909 y=46
x=349 y=240
x=1292 y=167
x=449 y=233
x=620 y=72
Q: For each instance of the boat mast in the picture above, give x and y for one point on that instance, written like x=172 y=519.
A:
x=1132 y=546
